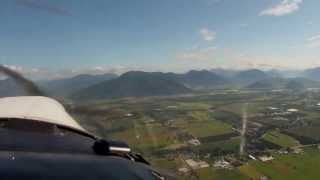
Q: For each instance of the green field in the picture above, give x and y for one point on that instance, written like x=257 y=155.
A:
x=286 y=167
x=204 y=128
x=143 y=137
x=280 y=139
x=217 y=174
x=231 y=145
x=308 y=131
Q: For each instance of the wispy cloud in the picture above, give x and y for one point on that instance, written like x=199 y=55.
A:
x=283 y=8
x=314 y=38
x=207 y=34
x=309 y=23
x=313 y=41
x=44 y=5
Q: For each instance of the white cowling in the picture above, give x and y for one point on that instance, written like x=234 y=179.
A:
x=37 y=108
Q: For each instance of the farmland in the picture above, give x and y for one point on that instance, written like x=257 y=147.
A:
x=280 y=139
x=206 y=128
x=286 y=167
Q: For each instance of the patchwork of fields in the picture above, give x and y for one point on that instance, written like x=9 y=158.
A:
x=167 y=131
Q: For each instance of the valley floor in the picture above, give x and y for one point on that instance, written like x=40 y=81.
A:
x=198 y=137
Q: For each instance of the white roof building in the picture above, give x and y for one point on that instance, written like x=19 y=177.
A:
x=222 y=164
x=292 y=110
x=183 y=170
x=194 y=142
x=272 y=108
x=197 y=165
x=266 y=158
x=37 y=108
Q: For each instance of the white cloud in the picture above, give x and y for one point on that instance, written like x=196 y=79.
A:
x=99 y=68
x=313 y=42
x=283 y=8
x=314 y=38
x=207 y=34
x=309 y=23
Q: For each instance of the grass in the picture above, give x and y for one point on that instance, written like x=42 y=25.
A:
x=193 y=105
x=250 y=171
x=205 y=128
x=217 y=174
x=227 y=175
x=307 y=131
x=286 y=167
x=231 y=145
x=280 y=139
x=162 y=163
x=146 y=136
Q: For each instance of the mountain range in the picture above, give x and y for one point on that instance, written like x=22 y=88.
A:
x=134 y=83
x=285 y=83
x=67 y=86
x=139 y=83
x=313 y=73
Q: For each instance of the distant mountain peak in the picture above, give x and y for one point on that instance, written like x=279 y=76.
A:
x=134 y=84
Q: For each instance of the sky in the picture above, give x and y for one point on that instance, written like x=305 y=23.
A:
x=158 y=35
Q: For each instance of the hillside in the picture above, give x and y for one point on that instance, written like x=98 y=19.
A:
x=202 y=79
x=313 y=73
x=283 y=83
x=67 y=86
x=133 y=84
x=249 y=76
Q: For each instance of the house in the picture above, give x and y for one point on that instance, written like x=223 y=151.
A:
x=283 y=152
x=266 y=158
x=222 y=164
x=129 y=115
x=172 y=107
x=252 y=157
x=197 y=165
x=264 y=178
x=194 y=142
x=273 y=108
x=292 y=110
x=297 y=150
x=279 y=118
x=183 y=170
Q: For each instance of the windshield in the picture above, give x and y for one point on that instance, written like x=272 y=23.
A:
x=202 y=89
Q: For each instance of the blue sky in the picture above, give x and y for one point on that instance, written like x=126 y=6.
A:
x=167 y=35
